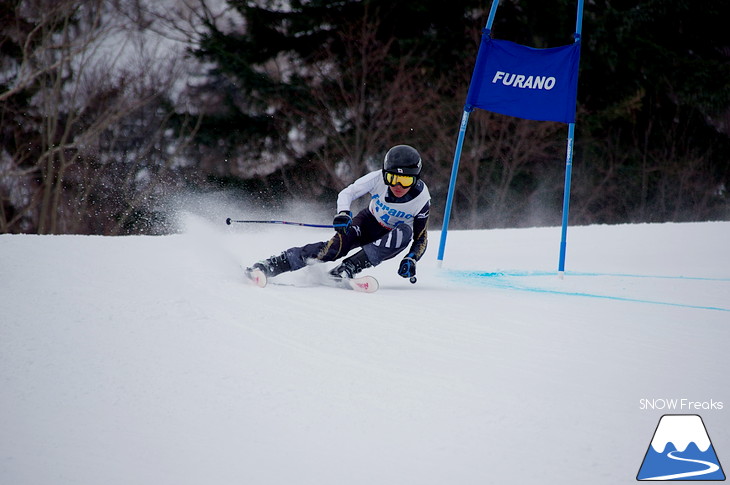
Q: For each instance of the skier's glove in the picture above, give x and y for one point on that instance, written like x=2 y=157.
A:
x=342 y=222
x=407 y=268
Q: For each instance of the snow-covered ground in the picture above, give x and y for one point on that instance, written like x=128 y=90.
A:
x=148 y=360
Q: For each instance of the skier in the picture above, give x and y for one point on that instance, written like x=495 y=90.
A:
x=397 y=214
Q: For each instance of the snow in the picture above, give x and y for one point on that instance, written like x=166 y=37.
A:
x=148 y=360
x=680 y=431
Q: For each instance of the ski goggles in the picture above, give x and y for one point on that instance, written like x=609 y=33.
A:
x=394 y=179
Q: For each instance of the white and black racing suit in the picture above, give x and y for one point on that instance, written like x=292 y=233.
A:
x=383 y=229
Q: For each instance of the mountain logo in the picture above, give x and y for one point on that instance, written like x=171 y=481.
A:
x=680 y=450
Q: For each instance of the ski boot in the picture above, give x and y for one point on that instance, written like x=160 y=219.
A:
x=351 y=266
x=275 y=265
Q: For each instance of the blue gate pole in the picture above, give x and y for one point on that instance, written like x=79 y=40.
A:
x=457 y=152
x=566 y=197
x=569 y=162
x=452 y=183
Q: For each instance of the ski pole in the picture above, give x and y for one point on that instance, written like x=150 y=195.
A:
x=229 y=221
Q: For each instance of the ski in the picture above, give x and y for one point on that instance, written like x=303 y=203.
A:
x=256 y=276
x=361 y=284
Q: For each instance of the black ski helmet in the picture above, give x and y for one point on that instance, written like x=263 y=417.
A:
x=403 y=160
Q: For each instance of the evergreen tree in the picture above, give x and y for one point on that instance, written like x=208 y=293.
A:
x=655 y=84
x=320 y=79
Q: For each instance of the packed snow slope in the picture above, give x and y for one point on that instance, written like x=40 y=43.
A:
x=149 y=360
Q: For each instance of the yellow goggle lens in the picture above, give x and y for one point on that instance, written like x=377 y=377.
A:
x=394 y=179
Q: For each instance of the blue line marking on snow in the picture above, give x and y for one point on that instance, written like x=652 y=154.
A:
x=503 y=280
x=576 y=273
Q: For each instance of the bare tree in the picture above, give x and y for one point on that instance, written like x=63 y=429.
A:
x=362 y=101
x=96 y=121
x=506 y=164
x=47 y=36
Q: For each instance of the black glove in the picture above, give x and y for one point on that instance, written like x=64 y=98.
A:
x=342 y=222
x=407 y=268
